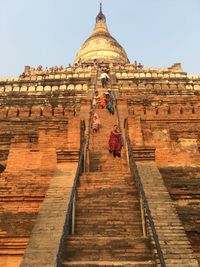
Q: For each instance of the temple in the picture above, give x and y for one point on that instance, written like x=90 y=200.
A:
x=64 y=199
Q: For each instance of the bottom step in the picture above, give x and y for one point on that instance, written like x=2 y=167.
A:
x=108 y=263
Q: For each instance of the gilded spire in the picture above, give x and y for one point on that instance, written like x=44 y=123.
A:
x=101 y=16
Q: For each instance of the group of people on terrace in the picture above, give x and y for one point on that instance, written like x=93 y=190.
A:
x=28 y=71
x=106 y=101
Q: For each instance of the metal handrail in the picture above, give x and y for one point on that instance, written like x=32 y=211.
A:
x=140 y=188
x=70 y=206
x=135 y=174
x=118 y=121
x=117 y=113
x=90 y=121
x=79 y=170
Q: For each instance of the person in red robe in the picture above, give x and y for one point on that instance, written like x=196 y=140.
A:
x=103 y=101
x=115 y=144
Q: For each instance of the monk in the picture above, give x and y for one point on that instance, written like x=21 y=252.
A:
x=115 y=144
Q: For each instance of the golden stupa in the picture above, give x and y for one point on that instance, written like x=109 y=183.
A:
x=101 y=46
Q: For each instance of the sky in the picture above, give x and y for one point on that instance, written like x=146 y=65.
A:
x=157 y=33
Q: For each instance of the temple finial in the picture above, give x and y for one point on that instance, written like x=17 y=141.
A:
x=101 y=7
x=100 y=16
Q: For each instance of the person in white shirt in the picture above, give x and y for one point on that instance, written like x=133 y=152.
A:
x=104 y=79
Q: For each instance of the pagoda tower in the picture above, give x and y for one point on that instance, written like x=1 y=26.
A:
x=65 y=200
x=101 y=46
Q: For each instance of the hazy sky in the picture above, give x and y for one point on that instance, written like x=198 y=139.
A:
x=156 y=33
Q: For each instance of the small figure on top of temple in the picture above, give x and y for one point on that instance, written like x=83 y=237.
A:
x=39 y=68
x=140 y=66
x=23 y=75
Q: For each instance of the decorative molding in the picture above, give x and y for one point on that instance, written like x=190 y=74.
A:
x=67 y=155
x=144 y=153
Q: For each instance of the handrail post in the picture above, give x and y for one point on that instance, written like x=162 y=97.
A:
x=127 y=152
x=127 y=157
x=82 y=166
x=143 y=217
x=73 y=213
x=85 y=159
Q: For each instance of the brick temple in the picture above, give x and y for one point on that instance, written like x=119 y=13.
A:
x=140 y=210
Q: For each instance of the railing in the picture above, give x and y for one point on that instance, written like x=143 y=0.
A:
x=117 y=113
x=86 y=151
x=143 y=199
x=118 y=121
x=70 y=217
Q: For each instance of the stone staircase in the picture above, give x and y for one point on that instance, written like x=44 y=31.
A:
x=108 y=229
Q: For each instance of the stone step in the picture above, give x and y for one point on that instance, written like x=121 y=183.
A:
x=106 y=183
x=106 y=174
x=110 y=207
x=92 y=248
x=96 y=182
x=89 y=218
x=122 y=175
x=102 y=199
x=108 y=192
x=107 y=201
x=108 y=263
x=114 y=211
x=181 y=263
x=100 y=232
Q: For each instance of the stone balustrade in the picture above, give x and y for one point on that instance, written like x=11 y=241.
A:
x=43 y=88
x=155 y=74
x=43 y=76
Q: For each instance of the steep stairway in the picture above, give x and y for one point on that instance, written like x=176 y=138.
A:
x=108 y=229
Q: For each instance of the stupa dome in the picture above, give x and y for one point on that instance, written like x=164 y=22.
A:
x=101 y=46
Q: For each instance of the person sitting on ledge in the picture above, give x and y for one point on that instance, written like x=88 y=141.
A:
x=22 y=75
x=140 y=66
